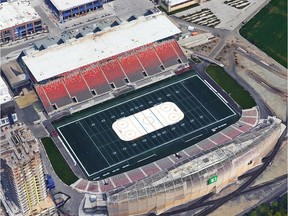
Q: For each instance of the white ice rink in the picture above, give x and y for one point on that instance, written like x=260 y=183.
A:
x=147 y=121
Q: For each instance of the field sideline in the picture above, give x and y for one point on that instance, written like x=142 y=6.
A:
x=268 y=30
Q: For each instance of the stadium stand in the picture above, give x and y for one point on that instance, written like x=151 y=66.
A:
x=249 y=120
x=43 y=97
x=105 y=187
x=114 y=73
x=102 y=77
x=96 y=80
x=167 y=54
x=231 y=131
x=149 y=60
x=219 y=138
x=93 y=187
x=150 y=169
x=164 y=163
x=120 y=180
x=179 y=51
x=206 y=144
x=82 y=184
x=57 y=93
x=132 y=67
x=249 y=112
x=82 y=91
x=136 y=175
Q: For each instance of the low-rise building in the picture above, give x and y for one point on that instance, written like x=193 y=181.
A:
x=173 y=5
x=18 y=20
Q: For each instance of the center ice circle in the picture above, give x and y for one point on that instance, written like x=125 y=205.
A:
x=148 y=120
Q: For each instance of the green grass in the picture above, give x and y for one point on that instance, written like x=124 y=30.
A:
x=59 y=164
x=268 y=30
x=237 y=92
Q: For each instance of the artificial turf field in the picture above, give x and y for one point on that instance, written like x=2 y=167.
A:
x=268 y=30
x=100 y=152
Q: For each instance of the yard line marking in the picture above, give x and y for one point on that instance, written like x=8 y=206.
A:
x=94 y=144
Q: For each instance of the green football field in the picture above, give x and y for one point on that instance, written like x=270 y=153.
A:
x=99 y=151
x=268 y=30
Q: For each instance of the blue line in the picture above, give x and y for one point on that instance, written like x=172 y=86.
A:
x=140 y=123
x=157 y=119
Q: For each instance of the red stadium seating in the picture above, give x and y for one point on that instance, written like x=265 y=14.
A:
x=149 y=61
x=135 y=175
x=250 y=112
x=180 y=53
x=41 y=93
x=114 y=73
x=82 y=184
x=219 y=138
x=76 y=86
x=167 y=54
x=57 y=93
x=96 y=80
x=164 y=163
x=206 y=144
x=231 y=132
x=150 y=169
x=120 y=180
x=93 y=187
x=131 y=67
x=249 y=120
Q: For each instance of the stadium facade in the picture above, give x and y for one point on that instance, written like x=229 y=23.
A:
x=173 y=5
x=18 y=20
x=22 y=175
x=65 y=9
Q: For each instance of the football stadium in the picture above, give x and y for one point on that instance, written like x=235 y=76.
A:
x=148 y=131
x=145 y=126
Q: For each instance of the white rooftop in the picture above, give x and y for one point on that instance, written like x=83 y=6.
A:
x=16 y=13
x=63 y=5
x=95 y=47
x=4 y=92
x=175 y=2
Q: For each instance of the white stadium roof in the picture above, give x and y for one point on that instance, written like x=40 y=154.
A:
x=16 y=13
x=95 y=47
x=63 y=5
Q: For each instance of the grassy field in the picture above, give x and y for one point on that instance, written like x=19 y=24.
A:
x=237 y=92
x=268 y=30
x=60 y=166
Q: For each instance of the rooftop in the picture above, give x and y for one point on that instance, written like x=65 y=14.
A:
x=62 y=5
x=175 y=2
x=16 y=13
x=98 y=46
x=4 y=92
x=17 y=144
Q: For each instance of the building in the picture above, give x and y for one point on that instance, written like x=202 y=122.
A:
x=173 y=5
x=22 y=175
x=210 y=171
x=18 y=20
x=14 y=76
x=8 y=112
x=65 y=9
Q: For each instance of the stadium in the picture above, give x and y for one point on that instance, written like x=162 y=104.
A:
x=143 y=126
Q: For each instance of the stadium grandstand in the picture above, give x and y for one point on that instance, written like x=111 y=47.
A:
x=99 y=67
